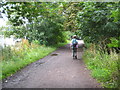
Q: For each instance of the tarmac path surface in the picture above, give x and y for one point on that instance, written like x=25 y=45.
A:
x=57 y=70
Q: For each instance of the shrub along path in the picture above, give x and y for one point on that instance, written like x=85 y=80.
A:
x=57 y=70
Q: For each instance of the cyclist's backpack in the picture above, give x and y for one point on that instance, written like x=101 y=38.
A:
x=74 y=43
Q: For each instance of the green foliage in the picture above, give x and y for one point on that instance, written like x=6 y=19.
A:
x=42 y=21
x=116 y=13
x=70 y=11
x=46 y=32
x=35 y=42
x=103 y=66
x=101 y=74
x=95 y=21
x=114 y=43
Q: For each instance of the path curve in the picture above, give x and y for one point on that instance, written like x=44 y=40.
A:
x=56 y=71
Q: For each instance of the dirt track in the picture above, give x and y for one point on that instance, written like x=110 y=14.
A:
x=53 y=71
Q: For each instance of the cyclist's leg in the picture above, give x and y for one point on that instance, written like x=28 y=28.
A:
x=75 y=53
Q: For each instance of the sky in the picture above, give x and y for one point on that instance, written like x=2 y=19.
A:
x=3 y=20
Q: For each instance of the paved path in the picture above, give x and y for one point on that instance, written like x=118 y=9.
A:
x=59 y=71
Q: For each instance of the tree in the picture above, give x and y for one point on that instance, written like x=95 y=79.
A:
x=42 y=21
x=94 y=21
x=70 y=11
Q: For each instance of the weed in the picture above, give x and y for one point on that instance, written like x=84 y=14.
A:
x=104 y=66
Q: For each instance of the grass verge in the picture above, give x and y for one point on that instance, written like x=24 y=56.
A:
x=103 y=66
x=14 y=59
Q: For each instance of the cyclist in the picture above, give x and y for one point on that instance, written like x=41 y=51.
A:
x=74 y=45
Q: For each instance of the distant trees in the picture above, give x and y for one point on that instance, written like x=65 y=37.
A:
x=36 y=21
x=46 y=21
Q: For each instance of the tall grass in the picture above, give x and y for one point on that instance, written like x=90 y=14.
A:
x=104 y=66
x=15 y=58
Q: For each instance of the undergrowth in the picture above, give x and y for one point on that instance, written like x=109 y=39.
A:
x=21 y=55
x=103 y=66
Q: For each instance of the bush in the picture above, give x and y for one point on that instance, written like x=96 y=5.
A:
x=114 y=42
x=45 y=32
x=35 y=42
